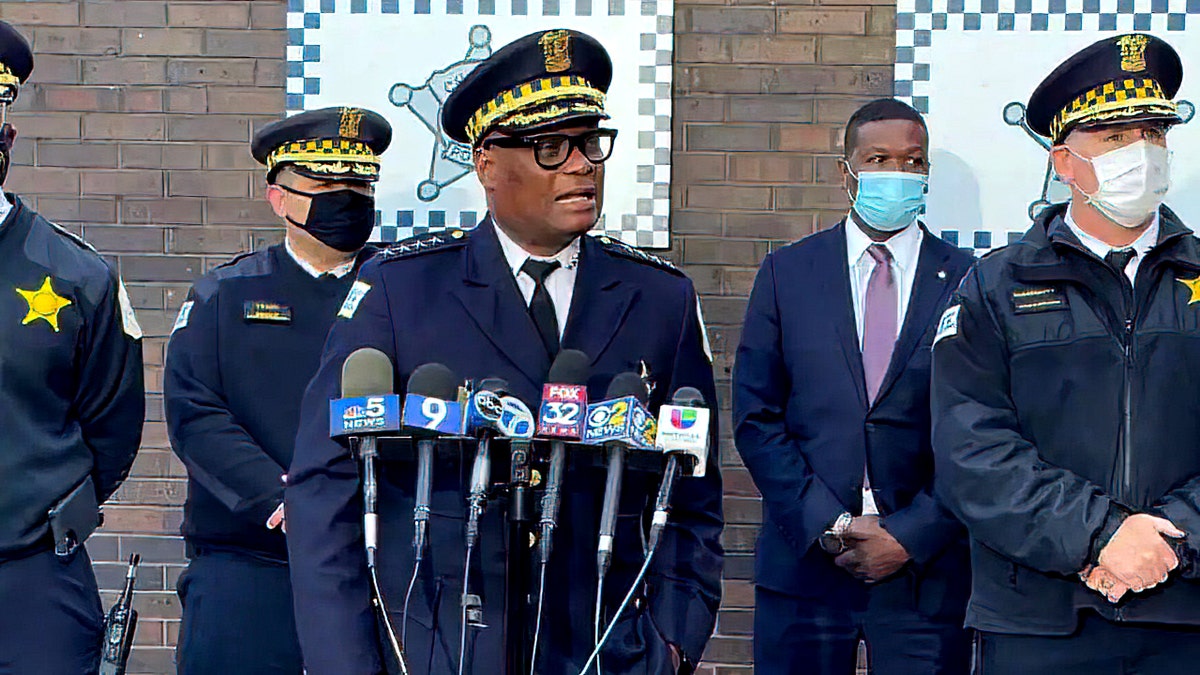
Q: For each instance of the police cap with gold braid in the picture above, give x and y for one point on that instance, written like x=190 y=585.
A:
x=16 y=62
x=543 y=79
x=1119 y=79
x=326 y=144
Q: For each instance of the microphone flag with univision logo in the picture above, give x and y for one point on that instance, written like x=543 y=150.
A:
x=685 y=429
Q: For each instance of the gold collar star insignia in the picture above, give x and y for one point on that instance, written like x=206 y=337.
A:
x=1193 y=286
x=44 y=303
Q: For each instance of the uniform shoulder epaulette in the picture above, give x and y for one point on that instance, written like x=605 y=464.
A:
x=71 y=236
x=234 y=260
x=423 y=243
x=621 y=249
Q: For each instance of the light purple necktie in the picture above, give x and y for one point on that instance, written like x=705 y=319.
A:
x=879 y=320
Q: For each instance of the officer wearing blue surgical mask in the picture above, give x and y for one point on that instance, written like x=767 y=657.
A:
x=831 y=413
x=1064 y=391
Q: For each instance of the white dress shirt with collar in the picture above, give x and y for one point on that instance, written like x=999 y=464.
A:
x=905 y=247
x=339 y=271
x=1141 y=246
x=560 y=283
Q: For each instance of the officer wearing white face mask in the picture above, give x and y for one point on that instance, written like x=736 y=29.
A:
x=1065 y=395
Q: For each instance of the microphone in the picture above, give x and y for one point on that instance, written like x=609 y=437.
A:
x=682 y=436
x=619 y=422
x=561 y=419
x=429 y=411
x=485 y=415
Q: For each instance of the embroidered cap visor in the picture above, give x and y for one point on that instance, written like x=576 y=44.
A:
x=1125 y=78
x=543 y=79
x=330 y=143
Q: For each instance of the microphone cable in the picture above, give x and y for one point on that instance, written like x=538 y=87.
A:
x=537 y=631
x=637 y=582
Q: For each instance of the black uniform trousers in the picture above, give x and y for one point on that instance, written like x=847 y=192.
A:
x=1097 y=647
x=51 y=621
x=820 y=635
x=237 y=617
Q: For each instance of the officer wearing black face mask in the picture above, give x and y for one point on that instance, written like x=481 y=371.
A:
x=245 y=344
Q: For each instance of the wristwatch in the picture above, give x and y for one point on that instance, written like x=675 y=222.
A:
x=831 y=539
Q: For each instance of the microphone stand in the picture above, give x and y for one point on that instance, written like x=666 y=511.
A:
x=370 y=489
x=520 y=532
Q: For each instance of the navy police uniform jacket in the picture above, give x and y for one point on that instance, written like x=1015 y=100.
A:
x=806 y=430
x=1064 y=399
x=452 y=299
x=71 y=390
x=247 y=341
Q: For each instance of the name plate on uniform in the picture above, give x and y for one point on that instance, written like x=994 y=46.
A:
x=260 y=311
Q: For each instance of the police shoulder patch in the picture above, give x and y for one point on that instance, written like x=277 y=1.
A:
x=622 y=250
x=948 y=326
x=357 y=292
x=423 y=243
x=185 y=313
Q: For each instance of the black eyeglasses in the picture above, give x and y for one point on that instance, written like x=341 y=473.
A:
x=551 y=151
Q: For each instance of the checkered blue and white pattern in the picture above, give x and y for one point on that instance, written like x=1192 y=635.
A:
x=647 y=223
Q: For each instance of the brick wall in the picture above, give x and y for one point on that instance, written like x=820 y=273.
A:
x=134 y=133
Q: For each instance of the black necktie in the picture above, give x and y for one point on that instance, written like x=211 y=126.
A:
x=541 y=308
x=1119 y=260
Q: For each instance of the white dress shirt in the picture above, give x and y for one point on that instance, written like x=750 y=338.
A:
x=1141 y=246
x=5 y=207
x=560 y=283
x=339 y=271
x=905 y=247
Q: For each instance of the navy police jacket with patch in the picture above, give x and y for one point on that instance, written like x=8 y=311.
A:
x=452 y=299
x=71 y=396
x=244 y=347
x=1063 y=400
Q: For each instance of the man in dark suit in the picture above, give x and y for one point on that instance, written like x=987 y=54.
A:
x=831 y=413
x=500 y=301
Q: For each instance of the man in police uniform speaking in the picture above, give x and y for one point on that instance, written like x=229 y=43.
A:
x=1065 y=393
x=246 y=343
x=500 y=301
x=71 y=419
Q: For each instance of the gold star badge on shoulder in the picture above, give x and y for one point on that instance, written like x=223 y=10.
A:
x=1193 y=286
x=44 y=303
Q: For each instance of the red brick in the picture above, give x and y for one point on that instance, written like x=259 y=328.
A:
x=822 y=21
x=209 y=14
x=76 y=98
x=270 y=72
x=46 y=125
x=118 y=239
x=728 y=137
x=726 y=20
x=180 y=99
x=248 y=43
x=771 y=108
x=698 y=48
x=160 y=268
x=24 y=14
x=177 y=210
x=770 y=167
x=162 y=41
x=74 y=40
x=241 y=212
x=881 y=21
x=811 y=197
x=807 y=137
x=838 y=110
x=57 y=69
x=721 y=79
x=837 y=49
x=729 y=197
x=90 y=155
x=42 y=180
x=774 y=49
x=210 y=71
x=876 y=80
x=723 y=251
x=125 y=13
x=76 y=210
x=684 y=221
x=779 y=225
x=255 y=100
x=698 y=168
x=125 y=70
x=208 y=184
x=122 y=183
x=268 y=14
x=230 y=156
x=209 y=240
x=125 y=127
x=206 y=128
x=161 y=156
x=699 y=109
x=143 y=99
